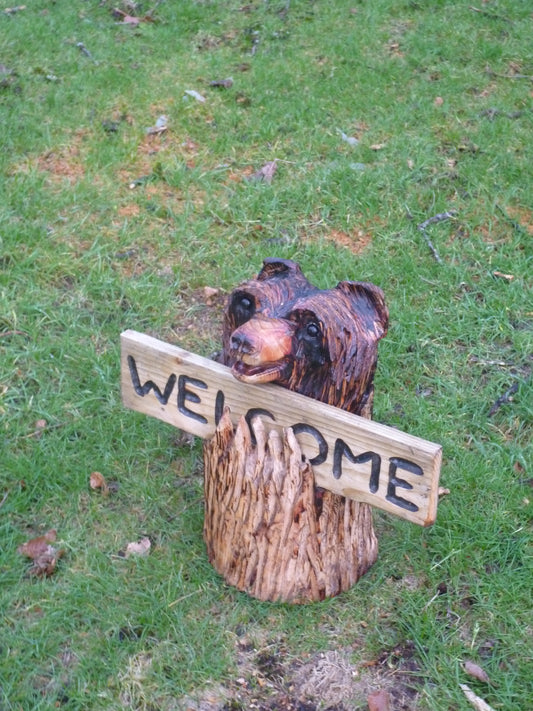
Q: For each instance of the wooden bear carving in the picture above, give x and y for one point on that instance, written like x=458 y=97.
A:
x=267 y=529
x=280 y=328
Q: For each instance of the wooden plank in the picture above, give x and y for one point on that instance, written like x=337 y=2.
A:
x=351 y=456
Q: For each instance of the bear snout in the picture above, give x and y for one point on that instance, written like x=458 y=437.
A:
x=263 y=340
x=240 y=343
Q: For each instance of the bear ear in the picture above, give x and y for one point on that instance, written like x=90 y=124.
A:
x=368 y=302
x=274 y=267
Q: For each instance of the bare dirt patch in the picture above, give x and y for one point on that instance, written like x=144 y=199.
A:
x=60 y=164
x=268 y=679
x=356 y=241
x=523 y=217
x=131 y=210
x=65 y=162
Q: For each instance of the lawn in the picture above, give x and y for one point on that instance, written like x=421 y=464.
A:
x=127 y=200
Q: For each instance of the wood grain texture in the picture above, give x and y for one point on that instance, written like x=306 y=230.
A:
x=266 y=532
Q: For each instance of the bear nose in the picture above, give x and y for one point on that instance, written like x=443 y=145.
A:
x=239 y=342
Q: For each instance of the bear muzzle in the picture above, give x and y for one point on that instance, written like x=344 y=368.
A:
x=261 y=350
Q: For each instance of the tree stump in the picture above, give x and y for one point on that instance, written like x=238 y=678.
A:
x=267 y=530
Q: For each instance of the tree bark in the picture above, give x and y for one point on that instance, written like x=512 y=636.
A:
x=267 y=530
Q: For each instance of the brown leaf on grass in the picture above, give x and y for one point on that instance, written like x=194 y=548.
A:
x=97 y=481
x=44 y=555
x=379 y=701
x=222 y=83
x=476 y=671
x=266 y=173
x=126 y=19
x=45 y=564
x=141 y=548
x=40 y=426
x=36 y=546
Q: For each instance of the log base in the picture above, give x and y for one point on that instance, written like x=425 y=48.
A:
x=267 y=531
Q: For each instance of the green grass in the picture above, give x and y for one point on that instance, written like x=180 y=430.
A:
x=440 y=97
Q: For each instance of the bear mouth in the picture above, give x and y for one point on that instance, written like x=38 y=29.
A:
x=264 y=373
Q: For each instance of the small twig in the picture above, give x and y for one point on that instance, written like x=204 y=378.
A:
x=437 y=218
x=491 y=15
x=184 y=597
x=255 y=42
x=13 y=10
x=40 y=431
x=481 y=361
x=492 y=113
x=12 y=333
x=508 y=76
x=428 y=603
x=503 y=398
x=83 y=49
x=4 y=499
x=430 y=221
x=284 y=10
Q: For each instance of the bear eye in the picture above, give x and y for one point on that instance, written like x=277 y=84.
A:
x=312 y=330
x=245 y=303
x=243 y=308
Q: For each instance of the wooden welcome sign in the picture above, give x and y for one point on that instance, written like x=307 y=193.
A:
x=351 y=456
x=293 y=462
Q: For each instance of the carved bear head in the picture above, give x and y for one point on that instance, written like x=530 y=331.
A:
x=280 y=328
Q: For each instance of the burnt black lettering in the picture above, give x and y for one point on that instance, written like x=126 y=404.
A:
x=185 y=395
x=342 y=450
x=256 y=412
x=219 y=406
x=322 y=444
x=149 y=385
x=396 y=463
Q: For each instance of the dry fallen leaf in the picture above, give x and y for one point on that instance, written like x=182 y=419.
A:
x=161 y=125
x=350 y=140
x=379 y=701
x=40 y=426
x=195 y=95
x=97 y=481
x=44 y=555
x=36 y=546
x=377 y=146
x=141 y=548
x=45 y=564
x=266 y=173
x=130 y=19
x=222 y=83
x=438 y=101
x=476 y=671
